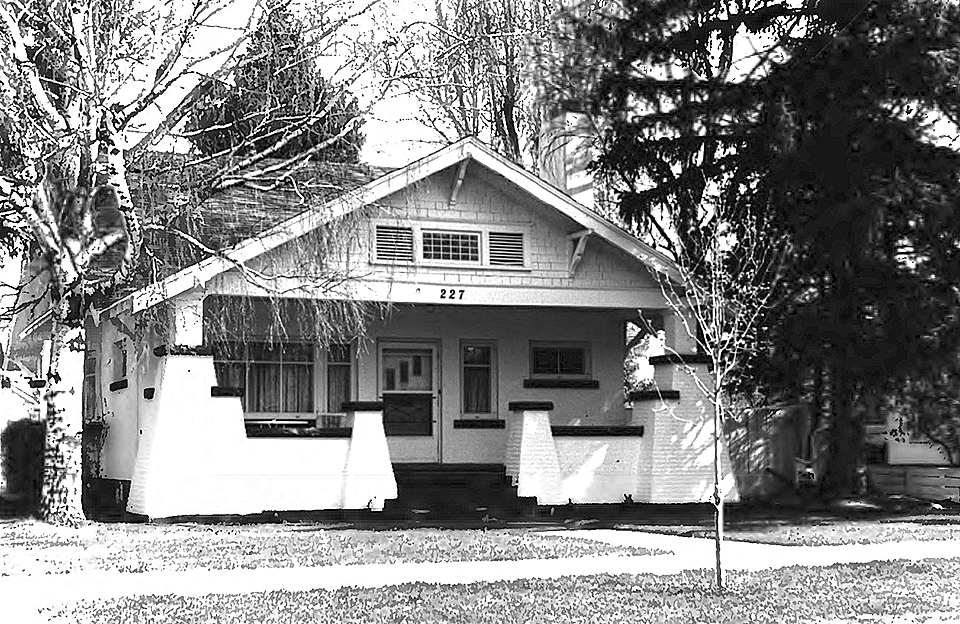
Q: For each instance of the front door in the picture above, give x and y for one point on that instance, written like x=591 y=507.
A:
x=409 y=388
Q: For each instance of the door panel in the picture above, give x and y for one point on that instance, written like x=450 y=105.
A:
x=408 y=414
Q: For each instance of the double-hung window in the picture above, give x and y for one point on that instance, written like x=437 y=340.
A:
x=275 y=378
x=339 y=376
x=478 y=378
x=119 y=359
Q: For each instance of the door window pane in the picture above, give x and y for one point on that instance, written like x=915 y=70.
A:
x=397 y=364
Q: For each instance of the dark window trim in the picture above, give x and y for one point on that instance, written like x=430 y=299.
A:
x=532 y=406
x=479 y=423
x=268 y=431
x=681 y=358
x=118 y=385
x=597 y=431
x=226 y=391
x=546 y=382
x=165 y=350
x=654 y=395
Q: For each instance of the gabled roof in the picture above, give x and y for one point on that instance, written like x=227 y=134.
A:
x=350 y=199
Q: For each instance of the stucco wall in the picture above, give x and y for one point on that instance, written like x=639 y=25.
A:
x=120 y=407
x=511 y=330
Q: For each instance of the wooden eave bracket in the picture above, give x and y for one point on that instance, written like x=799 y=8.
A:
x=458 y=182
x=579 y=249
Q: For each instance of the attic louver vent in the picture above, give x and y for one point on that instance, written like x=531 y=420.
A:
x=394 y=243
x=506 y=249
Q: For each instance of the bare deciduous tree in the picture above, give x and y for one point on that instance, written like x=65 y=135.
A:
x=725 y=289
x=80 y=80
x=469 y=69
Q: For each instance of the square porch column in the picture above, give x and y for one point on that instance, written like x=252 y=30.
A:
x=676 y=459
x=368 y=478
x=531 y=455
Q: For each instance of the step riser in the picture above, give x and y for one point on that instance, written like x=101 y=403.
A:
x=451 y=492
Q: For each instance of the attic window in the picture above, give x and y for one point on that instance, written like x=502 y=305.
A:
x=455 y=246
x=435 y=243
x=506 y=249
x=394 y=243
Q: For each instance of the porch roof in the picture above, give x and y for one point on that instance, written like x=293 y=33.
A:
x=258 y=220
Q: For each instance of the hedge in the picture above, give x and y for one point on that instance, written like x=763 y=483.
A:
x=21 y=459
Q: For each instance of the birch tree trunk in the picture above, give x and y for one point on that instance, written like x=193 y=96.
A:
x=60 y=499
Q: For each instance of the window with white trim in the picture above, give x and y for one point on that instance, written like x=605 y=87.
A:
x=560 y=360
x=291 y=380
x=506 y=249
x=274 y=378
x=439 y=243
x=451 y=245
x=393 y=244
x=478 y=378
x=339 y=378
x=119 y=359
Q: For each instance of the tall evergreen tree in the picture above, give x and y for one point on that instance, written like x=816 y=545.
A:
x=278 y=101
x=820 y=114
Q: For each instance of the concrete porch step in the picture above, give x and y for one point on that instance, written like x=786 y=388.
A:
x=432 y=491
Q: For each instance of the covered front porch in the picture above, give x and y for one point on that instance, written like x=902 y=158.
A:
x=298 y=425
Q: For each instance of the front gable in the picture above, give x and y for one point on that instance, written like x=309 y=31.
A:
x=486 y=243
x=571 y=256
x=492 y=207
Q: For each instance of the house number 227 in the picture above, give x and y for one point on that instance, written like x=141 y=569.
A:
x=451 y=293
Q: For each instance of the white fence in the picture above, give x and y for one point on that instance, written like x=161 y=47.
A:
x=928 y=482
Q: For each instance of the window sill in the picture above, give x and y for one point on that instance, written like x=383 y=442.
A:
x=280 y=431
x=479 y=423
x=451 y=265
x=597 y=431
x=654 y=395
x=226 y=391
x=119 y=385
x=561 y=383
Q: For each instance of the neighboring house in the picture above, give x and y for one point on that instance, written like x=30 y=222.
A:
x=504 y=345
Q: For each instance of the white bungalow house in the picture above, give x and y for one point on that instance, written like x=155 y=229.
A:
x=504 y=346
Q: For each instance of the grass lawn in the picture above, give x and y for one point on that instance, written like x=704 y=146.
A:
x=826 y=532
x=841 y=593
x=35 y=548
